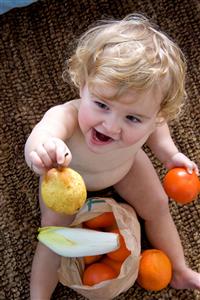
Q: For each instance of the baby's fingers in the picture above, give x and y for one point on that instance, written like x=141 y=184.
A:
x=50 y=148
x=63 y=154
x=196 y=169
x=37 y=165
x=192 y=167
x=44 y=156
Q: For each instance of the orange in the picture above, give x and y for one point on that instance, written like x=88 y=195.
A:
x=155 y=270
x=91 y=258
x=98 y=272
x=181 y=186
x=116 y=265
x=104 y=220
x=122 y=253
x=112 y=227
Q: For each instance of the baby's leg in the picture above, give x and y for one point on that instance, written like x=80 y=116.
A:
x=141 y=187
x=44 y=276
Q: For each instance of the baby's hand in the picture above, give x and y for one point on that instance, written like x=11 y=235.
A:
x=52 y=153
x=180 y=160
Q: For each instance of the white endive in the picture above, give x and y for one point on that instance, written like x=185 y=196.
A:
x=77 y=242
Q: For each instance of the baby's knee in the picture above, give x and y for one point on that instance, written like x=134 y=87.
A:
x=157 y=207
x=49 y=221
x=55 y=219
x=162 y=204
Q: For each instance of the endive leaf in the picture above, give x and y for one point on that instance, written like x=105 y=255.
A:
x=77 y=242
x=50 y=238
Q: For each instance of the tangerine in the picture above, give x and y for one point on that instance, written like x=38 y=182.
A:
x=181 y=186
x=116 y=265
x=155 y=270
x=98 y=272
x=91 y=258
x=104 y=220
x=122 y=252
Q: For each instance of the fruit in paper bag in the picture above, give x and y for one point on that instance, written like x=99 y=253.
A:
x=104 y=220
x=63 y=190
x=97 y=273
x=155 y=270
x=116 y=265
x=122 y=252
x=91 y=259
x=181 y=186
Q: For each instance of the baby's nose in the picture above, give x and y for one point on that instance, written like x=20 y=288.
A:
x=112 y=127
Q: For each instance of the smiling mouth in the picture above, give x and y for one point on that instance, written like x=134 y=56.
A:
x=100 y=137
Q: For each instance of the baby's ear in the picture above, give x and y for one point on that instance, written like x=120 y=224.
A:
x=81 y=89
x=81 y=92
x=160 y=119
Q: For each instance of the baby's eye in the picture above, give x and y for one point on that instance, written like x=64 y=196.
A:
x=133 y=119
x=101 y=105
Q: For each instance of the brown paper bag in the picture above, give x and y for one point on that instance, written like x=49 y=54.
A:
x=71 y=270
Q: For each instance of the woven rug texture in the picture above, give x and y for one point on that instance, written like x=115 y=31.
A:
x=35 y=42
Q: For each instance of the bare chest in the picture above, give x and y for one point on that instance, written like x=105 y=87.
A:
x=99 y=170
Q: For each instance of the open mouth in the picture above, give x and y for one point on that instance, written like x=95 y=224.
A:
x=100 y=137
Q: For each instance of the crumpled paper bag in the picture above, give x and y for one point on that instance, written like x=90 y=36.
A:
x=71 y=269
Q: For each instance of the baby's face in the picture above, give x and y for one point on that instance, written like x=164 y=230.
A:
x=112 y=124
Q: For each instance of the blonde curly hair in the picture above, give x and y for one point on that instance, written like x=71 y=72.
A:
x=131 y=53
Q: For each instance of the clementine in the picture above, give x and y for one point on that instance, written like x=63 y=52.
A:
x=155 y=270
x=98 y=272
x=112 y=227
x=104 y=220
x=91 y=258
x=116 y=265
x=181 y=186
x=122 y=252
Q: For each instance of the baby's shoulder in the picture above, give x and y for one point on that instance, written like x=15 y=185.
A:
x=72 y=104
x=67 y=113
x=67 y=108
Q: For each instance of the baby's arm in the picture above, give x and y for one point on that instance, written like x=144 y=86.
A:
x=45 y=147
x=161 y=143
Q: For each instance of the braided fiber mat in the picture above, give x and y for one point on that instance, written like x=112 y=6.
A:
x=35 y=41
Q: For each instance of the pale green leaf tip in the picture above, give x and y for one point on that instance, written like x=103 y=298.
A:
x=50 y=237
x=49 y=228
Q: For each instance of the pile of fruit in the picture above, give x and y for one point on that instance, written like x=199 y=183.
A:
x=155 y=269
x=99 y=268
x=63 y=190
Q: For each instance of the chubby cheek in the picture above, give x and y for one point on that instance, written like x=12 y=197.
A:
x=131 y=139
x=134 y=136
x=86 y=120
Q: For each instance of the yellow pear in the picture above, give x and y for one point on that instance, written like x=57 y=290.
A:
x=63 y=190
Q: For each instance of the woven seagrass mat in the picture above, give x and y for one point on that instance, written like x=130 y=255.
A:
x=35 y=41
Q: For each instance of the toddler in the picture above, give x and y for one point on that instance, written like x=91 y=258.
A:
x=131 y=80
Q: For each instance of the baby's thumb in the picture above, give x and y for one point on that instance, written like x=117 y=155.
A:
x=169 y=165
x=67 y=158
x=192 y=167
x=190 y=171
